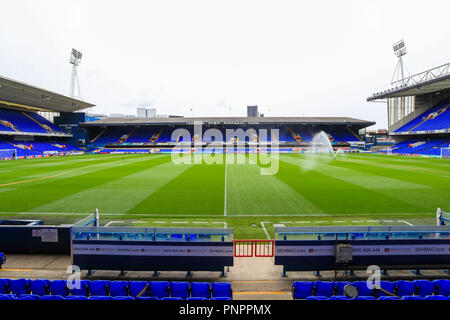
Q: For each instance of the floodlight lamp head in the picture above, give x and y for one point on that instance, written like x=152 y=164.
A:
x=399 y=48
x=75 y=57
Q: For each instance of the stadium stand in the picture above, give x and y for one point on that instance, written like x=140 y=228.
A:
x=42 y=289
x=405 y=290
x=436 y=118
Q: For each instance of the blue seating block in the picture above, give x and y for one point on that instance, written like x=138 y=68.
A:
x=171 y=298
x=363 y=289
x=147 y=298
x=4 y=286
x=98 y=288
x=405 y=288
x=28 y=297
x=425 y=287
x=58 y=287
x=122 y=298
x=159 y=289
x=322 y=288
x=76 y=298
x=201 y=289
x=414 y=298
x=443 y=287
x=221 y=298
x=386 y=285
x=8 y=297
x=82 y=290
x=437 y=297
x=136 y=288
x=179 y=289
x=196 y=298
x=19 y=286
x=302 y=289
x=48 y=297
x=118 y=288
x=39 y=287
x=317 y=298
x=221 y=289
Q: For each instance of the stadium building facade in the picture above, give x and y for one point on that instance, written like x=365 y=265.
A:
x=419 y=113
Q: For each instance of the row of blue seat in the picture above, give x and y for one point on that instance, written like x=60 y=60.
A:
x=436 y=297
x=159 y=289
x=304 y=289
x=57 y=297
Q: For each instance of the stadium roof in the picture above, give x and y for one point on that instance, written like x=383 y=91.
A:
x=229 y=121
x=24 y=96
x=431 y=81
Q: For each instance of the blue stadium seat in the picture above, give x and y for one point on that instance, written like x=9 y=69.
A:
x=118 y=288
x=323 y=288
x=425 y=287
x=39 y=287
x=122 y=298
x=98 y=288
x=136 y=287
x=99 y=298
x=386 y=285
x=221 y=289
x=317 y=298
x=196 y=298
x=147 y=298
x=49 y=297
x=201 y=289
x=58 y=287
x=8 y=297
x=82 y=290
x=365 y=298
x=76 y=298
x=302 y=289
x=179 y=289
x=339 y=287
x=171 y=298
x=413 y=298
x=388 y=298
x=159 y=289
x=363 y=289
x=28 y=297
x=437 y=297
x=19 y=286
x=221 y=298
x=4 y=286
x=405 y=288
x=340 y=298
x=443 y=287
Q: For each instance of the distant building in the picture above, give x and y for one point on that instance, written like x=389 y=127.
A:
x=146 y=112
x=252 y=111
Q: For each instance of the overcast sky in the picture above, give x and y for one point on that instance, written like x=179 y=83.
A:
x=291 y=58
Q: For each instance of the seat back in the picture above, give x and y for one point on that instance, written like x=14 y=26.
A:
x=159 y=289
x=221 y=289
x=19 y=286
x=4 y=286
x=339 y=287
x=136 y=288
x=98 y=288
x=179 y=289
x=58 y=287
x=363 y=289
x=302 y=289
x=405 y=288
x=39 y=287
x=201 y=289
x=386 y=285
x=323 y=288
x=443 y=287
x=425 y=287
x=118 y=288
x=82 y=289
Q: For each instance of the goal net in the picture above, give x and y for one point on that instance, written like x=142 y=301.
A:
x=442 y=218
x=445 y=153
x=7 y=154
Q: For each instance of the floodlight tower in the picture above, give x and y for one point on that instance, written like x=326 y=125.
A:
x=75 y=60
x=399 y=73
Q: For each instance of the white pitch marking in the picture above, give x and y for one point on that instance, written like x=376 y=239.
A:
x=180 y=222
x=265 y=230
x=198 y=222
x=409 y=224
x=286 y=222
x=388 y=221
x=137 y=222
x=225 y=225
x=111 y=222
x=302 y=221
x=159 y=222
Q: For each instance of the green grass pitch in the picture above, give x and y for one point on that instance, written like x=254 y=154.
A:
x=151 y=190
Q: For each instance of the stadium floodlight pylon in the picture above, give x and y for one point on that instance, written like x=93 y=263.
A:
x=75 y=60
x=399 y=73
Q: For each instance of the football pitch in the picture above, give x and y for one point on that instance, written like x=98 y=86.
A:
x=153 y=191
